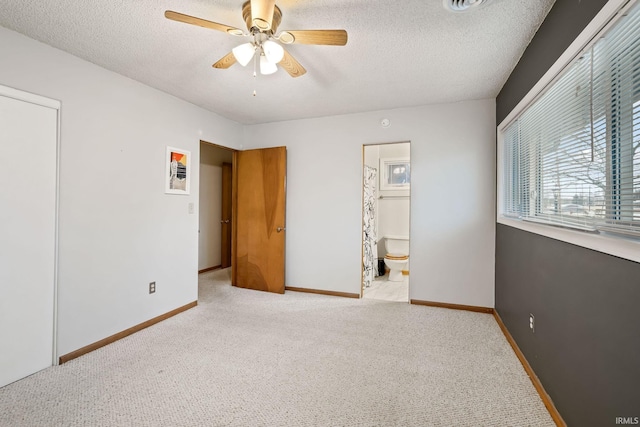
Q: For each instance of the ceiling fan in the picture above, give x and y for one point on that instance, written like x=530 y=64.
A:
x=262 y=18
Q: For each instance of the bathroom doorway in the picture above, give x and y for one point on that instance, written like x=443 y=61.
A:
x=214 y=227
x=386 y=206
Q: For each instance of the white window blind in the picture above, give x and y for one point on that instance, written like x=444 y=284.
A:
x=572 y=157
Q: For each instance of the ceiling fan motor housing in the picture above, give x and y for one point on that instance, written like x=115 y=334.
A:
x=461 y=5
x=246 y=14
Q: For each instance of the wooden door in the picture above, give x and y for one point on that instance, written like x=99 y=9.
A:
x=225 y=223
x=259 y=219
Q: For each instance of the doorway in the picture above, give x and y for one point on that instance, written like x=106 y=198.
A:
x=386 y=206
x=215 y=216
x=247 y=228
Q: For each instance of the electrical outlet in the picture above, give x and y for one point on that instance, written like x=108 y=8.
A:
x=532 y=322
x=152 y=287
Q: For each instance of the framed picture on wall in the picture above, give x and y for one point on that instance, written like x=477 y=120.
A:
x=177 y=171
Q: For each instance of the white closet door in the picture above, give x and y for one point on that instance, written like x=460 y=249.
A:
x=28 y=134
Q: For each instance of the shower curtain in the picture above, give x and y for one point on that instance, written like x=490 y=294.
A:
x=369 y=239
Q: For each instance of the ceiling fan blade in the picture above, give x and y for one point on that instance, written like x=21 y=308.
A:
x=262 y=13
x=323 y=37
x=187 y=19
x=291 y=66
x=227 y=61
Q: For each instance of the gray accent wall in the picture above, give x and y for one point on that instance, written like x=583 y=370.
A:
x=586 y=345
x=561 y=27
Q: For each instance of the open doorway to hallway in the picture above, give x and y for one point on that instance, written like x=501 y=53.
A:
x=214 y=230
x=385 y=218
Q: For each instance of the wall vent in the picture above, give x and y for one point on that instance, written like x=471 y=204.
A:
x=461 y=5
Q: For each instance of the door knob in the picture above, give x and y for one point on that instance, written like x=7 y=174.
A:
x=279 y=229
x=226 y=221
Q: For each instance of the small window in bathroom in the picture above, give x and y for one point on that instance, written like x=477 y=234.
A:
x=396 y=174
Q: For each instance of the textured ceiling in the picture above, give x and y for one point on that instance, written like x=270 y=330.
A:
x=399 y=54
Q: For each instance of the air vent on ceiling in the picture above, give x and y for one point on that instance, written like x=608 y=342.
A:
x=461 y=5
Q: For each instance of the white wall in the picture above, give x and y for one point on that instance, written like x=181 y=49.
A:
x=118 y=230
x=209 y=229
x=452 y=197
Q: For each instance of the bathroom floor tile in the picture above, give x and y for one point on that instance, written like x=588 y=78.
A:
x=382 y=289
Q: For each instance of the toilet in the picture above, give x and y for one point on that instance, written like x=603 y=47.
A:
x=397 y=257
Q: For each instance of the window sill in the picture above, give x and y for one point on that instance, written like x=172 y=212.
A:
x=617 y=246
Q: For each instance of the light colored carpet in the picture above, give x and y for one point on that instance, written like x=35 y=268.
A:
x=248 y=358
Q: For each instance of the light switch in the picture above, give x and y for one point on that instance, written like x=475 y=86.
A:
x=191 y=208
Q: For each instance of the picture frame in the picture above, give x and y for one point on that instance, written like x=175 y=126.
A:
x=177 y=171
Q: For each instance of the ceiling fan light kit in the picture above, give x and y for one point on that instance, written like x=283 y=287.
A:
x=262 y=18
x=244 y=53
x=267 y=67
x=269 y=51
x=273 y=51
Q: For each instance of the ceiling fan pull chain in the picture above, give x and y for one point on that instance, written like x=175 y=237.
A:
x=255 y=61
x=255 y=75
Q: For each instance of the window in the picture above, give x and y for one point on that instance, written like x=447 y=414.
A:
x=572 y=157
x=396 y=174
